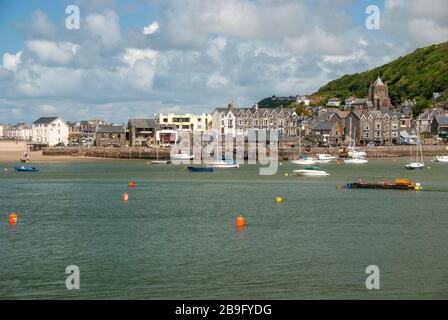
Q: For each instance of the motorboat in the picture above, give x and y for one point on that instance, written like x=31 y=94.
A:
x=225 y=164
x=26 y=169
x=25 y=157
x=199 y=169
x=355 y=153
x=182 y=156
x=356 y=160
x=304 y=160
x=160 y=161
x=311 y=172
x=325 y=158
x=442 y=158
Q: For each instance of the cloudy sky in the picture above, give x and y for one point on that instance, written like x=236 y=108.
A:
x=135 y=58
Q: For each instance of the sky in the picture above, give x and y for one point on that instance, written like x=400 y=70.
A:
x=135 y=58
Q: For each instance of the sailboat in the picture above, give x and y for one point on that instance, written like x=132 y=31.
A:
x=302 y=159
x=157 y=161
x=418 y=163
x=356 y=156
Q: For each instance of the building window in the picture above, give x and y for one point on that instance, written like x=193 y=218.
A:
x=230 y=123
x=265 y=122
x=256 y=122
x=366 y=126
x=366 y=135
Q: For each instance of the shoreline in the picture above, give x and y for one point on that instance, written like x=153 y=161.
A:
x=10 y=152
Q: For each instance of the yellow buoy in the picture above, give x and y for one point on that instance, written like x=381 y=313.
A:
x=429 y=168
x=286 y=174
x=278 y=199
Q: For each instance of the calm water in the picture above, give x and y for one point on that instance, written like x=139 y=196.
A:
x=175 y=237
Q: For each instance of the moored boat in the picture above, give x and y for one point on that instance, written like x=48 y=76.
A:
x=356 y=160
x=304 y=160
x=415 y=165
x=26 y=169
x=398 y=184
x=442 y=158
x=182 y=156
x=160 y=161
x=199 y=169
x=225 y=164
x=25 y=157
x=311 y=172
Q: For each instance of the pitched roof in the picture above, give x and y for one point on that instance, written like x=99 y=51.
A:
x=142 y=123
x=442 y=120
x=45 y=120
x=323 y=126
x=111 y=129
x=378 y=82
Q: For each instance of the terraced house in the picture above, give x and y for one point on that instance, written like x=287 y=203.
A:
x=380 y=127
x=238 y=121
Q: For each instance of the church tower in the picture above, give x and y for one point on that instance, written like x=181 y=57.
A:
x=379 y=95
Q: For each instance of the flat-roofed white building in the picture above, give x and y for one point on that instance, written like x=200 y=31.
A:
x=187 y=122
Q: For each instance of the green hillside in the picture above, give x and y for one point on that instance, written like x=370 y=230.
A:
x=416 y=75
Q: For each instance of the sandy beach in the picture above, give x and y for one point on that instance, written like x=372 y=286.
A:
x=10 y=151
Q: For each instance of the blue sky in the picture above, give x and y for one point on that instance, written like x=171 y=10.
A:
x=139 y=57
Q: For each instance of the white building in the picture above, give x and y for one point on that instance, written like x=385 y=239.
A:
x=1 y=131
x=185 y=122
x=333 y=102
x=304 y=100
x=50 y=131
x=19 y=131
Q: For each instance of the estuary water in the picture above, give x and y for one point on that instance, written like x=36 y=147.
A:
x=175 y=237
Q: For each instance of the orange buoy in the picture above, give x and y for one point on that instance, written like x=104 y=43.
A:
x=12 y=218
x=239 y=221
x=131 y=184
x=125 y=196
x=340 y=187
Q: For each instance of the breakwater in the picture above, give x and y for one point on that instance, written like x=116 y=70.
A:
x=284 y=152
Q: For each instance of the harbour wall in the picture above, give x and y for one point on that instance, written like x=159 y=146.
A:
x=284 y=153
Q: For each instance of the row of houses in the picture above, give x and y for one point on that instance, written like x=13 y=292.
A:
x=322 y=125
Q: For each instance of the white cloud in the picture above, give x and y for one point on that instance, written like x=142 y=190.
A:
x=47 y=109
x=52 y=52
x=216 y=80
x=152 y=28
x=105 y=27
x=11 y=61
x=132 y=55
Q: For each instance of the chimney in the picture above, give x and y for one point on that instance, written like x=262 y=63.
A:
x=256 y=105
x=230 y=106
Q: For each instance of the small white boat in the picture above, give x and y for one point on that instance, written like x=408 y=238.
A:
x=415 y=165
x=25 y=157
x=324 y=156
x=304 y=161
x=442 y=158
x=355 y=153
x=160 y=161
x=356 y=160
x=225 y=164
x=311 y=172
x=182 y=156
